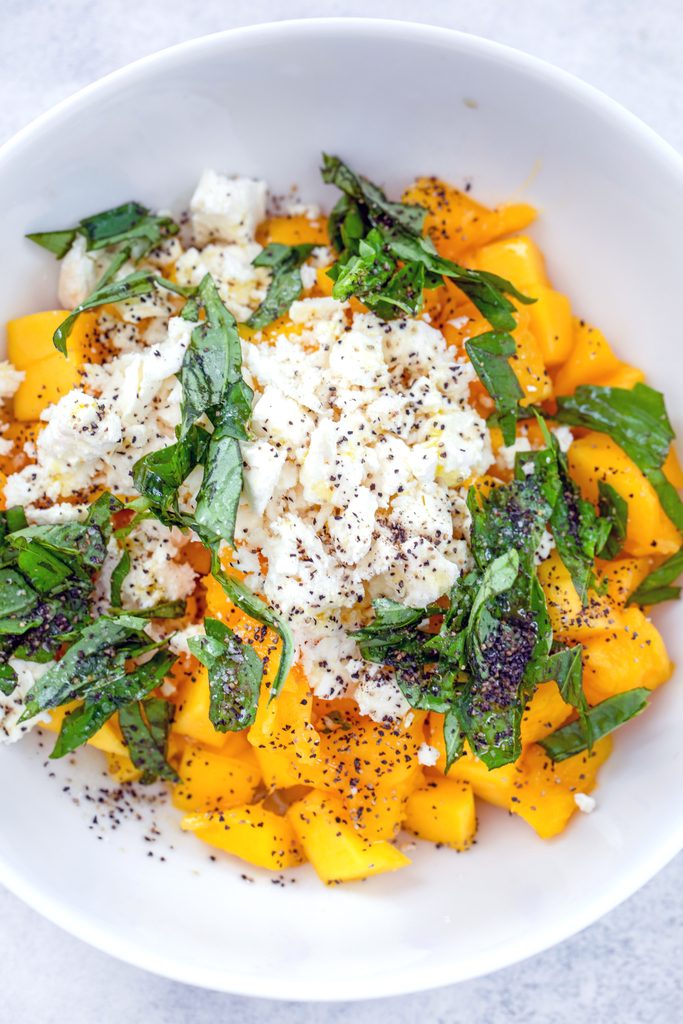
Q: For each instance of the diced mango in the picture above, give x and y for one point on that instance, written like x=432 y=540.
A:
x=294 y=229
x=527 y=362
x=625 y=376
x=596 y=457
x=545 y=712
x=283 y=726
x=551 y=322
x=570 y=619
x=48 y=374
x=456 y=223
x=493 y=785
x=212 y=780
x=250 y=832
x=122 y=769
x=592 y=361
x=377 y=811
x=591 y=358
x=580 y=772
x=631 y=655
x=517 y=259
x=443 y=811
x=335 y=849
x=672 y=468
x=544 y=790
x=539 y=796
x=622 y=576
x=29 y=338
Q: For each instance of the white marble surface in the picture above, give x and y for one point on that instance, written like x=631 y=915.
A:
x=626 y=968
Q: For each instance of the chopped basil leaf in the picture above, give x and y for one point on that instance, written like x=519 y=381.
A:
x=636 y=419
x=130 y=223
x=219 y=494
x=285 y=262
x=579 y=533
x=94 y=660
x=103 y=701
x=101 y=511
x=8 y=679
x=213 y=360
x=79 y=545
x=145 y=727
x=603 y=718
x=235 y=673
x=56 y=242
x=253 y=606
x=489 y=354
x=16 y=597
x=119 y=574
x=613 y=510
x=393 y=231
x=454 y=738
x=656 y=587
x=159 y=475
x=139 y=282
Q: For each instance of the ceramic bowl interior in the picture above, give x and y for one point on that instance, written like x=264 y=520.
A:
x=395 y=100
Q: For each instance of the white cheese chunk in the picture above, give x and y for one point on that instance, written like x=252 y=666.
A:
x=12 y=706
x=10 y=379
x=227 y=209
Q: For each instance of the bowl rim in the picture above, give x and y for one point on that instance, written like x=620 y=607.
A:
x=426 y=975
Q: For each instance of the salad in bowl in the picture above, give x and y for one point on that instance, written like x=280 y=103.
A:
x=338 y=524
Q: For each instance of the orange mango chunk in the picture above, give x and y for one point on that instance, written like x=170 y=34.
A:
x=545 y=712
x=250 y=832
x=457 y=223
x=211 y=780
x=335 y=849
x=596 y=457
x=631 y=655
x=443 y=811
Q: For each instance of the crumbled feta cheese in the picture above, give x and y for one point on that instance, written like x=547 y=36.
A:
x=262 y=464
x=78 y=274
x=375 y=428
x=155 y=573
x=564 y=437
x=505 y=456
x=12 y=706
x=427 y=756
x=309 y=276
x=10 y=379
x=362 y=434
x=545 y=547
x=60 y=512
x=584 y=802
x=379 y=697
x=227 y=209
x=81 y=432
x=131 y=407
x=178 y=640
x=241 y=285
x=352 y=530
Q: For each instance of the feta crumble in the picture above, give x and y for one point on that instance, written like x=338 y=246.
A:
x=585 y=803
x=12 y=707
x=427 y=756
x=364 y=433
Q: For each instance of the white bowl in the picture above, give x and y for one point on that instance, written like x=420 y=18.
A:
x=396 y=100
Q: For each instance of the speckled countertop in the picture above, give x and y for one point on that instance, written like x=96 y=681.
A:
x=627 y=968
